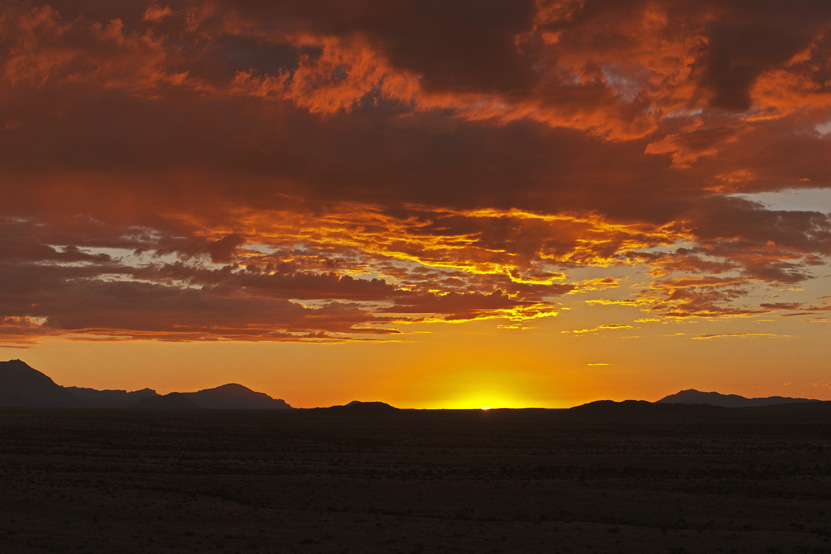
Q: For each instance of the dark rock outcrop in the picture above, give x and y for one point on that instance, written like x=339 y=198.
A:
x=24 y=387
x=692 y=396
x=370 y=408
x=235 y=397
x=93 y=398
x=172 y=401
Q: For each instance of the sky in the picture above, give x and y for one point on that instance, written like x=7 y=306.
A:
x=477 y=203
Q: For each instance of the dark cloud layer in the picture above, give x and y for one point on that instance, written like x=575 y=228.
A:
x=308 y=170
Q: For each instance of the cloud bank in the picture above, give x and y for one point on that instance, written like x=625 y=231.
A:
x=338 y=171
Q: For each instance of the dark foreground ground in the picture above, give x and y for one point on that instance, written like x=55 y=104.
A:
x=519 y=481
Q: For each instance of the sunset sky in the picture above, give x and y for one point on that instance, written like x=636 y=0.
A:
x=430 y=203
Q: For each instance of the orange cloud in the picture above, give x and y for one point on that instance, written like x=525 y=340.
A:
x=595 y=330
x=323 y=172
x=736 y=335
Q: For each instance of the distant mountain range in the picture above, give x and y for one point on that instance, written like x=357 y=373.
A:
x=24 y=387
x=692 y=396
x=172 y=401
x=225 y=397
x=93 y=398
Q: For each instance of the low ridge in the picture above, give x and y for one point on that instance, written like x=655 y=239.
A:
x=172 y=401
x=359 y=407
x=693 y=396
x=235 y=397
x=109 y=398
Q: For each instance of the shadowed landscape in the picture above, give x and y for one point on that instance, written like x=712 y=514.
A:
x=22 y=386
x=608 y=476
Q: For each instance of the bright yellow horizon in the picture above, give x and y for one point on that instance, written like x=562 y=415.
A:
x=429 y=373
x=324 y=206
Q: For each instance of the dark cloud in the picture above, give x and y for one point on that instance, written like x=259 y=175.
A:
x=79 y=301
x=706 y=298
x=305 y=170
x=738 y=54
x=228 y=282
x=461 y=306
x=459 y=46
x=781 y=305
x=754 y=37
x=718 y=221
x=219 y=251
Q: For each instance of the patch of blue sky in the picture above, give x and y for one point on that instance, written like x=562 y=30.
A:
x=800 y=200
x=261 y=248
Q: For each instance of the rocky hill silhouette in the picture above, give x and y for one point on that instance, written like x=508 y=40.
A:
x=93 y=398
x=368 y=408
x=641 y=411
x=24 y=387
x=692 y=396
x=172 y=401
x=235 y=397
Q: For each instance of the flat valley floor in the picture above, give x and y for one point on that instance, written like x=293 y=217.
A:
x=411 y=481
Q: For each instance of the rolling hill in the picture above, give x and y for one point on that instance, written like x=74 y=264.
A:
x=235 y=397
x=692 y=396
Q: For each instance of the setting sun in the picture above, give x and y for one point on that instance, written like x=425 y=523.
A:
x=338 y=204
x=488 y=400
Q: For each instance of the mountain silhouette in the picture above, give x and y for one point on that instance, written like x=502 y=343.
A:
x=235 y=397
x=639 y=410
x=24 y=387
x=93 y=398
x=21 y=386
x=369 y=408
x=610 y=406
x=172 y=401
x=692 y=396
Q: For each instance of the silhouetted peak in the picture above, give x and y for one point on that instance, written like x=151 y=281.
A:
x=359 y=407
x=230 y=388
x=19 y=372
x=371 y=404
x=24 y=386
x=693 y=396
x=640 y=411
x=233 y=396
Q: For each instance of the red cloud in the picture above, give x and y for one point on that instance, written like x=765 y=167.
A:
x=284 y=171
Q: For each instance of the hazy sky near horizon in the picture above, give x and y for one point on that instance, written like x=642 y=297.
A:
x=459 y=204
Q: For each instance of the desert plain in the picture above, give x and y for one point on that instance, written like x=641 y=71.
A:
x=608 y=479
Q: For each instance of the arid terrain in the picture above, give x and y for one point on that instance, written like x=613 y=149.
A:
x=734 y=480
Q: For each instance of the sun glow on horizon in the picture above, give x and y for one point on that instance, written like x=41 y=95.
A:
x=422 y=226
x=487 y=400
